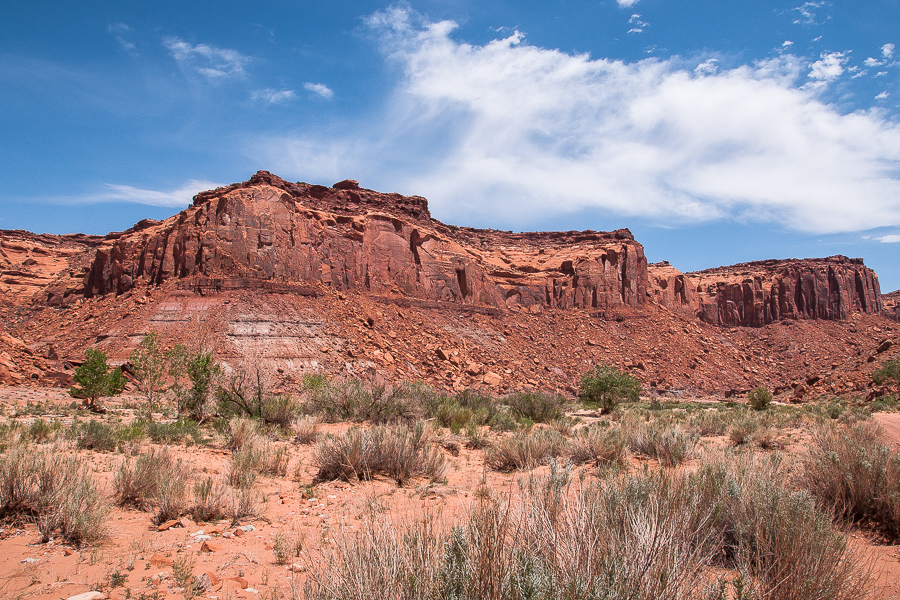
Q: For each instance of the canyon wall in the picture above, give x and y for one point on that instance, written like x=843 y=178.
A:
x=757 y=293
x=268 y=229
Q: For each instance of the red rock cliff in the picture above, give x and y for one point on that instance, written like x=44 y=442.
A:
x=758 y=293
x=268 y=229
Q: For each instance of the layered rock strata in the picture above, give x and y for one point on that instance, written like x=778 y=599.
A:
x=757 y=293
x=271 y=230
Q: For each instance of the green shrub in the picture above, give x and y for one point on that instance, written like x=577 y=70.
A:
x=605 y=386
x=759 y=398
x=148 y=365
x=180 y=431
x=888 y=373
x=354 y=400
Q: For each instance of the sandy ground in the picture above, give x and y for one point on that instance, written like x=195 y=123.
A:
x=138 y=557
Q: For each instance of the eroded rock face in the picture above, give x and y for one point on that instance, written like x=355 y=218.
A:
x=892 y=305
x=267 y=229
x=758 y=293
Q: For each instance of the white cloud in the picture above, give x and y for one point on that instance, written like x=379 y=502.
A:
x=828 y=68
x=180 y=197
x=639 y=25
x=882 y=96
x=319 y=88
x=872 y=62
x=273 y=96
x=889 y=239
x=626 y=3
x=525 y=134
x=707 y=67
x=211 y=62
x=887 y=51
x=787 y=44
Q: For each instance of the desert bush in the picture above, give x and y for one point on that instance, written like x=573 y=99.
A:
x=202 y=372
x=182 y=431
x=243 y=502
x=605 y=386
x=850 y=472
x=286 y=548
x=41 y=431
x=57 y=492
x=777 y=538
x=525 y=451
x=96 y=435
x=597 y=446
x=136 y=482
x=759 y=398
x=245 y=464
x=208 y=504
x=353 y=400
x=243 y=432
x=668 y=445
x=306 y=430
x=767 y=438
x=400 y=452
x=277 y=461
x=743 y=428
x=708 y=423
x=538 y=406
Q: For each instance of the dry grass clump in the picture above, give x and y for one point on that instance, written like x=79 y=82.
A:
x=597 y=446
x=209 y=500
x=400 y=452
x=154 y=480
x=525 y=451
x=669 y=445
x=650 y=535
x=306 y=430
x=243 y=432
x=743 y=429
x=57 y=492
x=709 y=423
x=848 y=470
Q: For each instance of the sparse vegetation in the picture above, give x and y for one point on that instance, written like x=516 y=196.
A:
x=888 y=373
x=525 y=451
x=605 y=386
x=400 y=452
x=56 y=492
x=537 y=406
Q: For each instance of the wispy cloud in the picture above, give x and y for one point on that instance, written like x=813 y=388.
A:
x=209 y=61
x=889 y=239
x=319 y=88
x=179 y=197
x=882 y=96
x=887 y=51
x=271 y=96
x=639 y=25
x=626 y=3
x=529 y=133
x=807 y=13
x=872 y=62
x=121 y=32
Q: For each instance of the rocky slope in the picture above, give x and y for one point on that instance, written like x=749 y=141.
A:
x=348 y=281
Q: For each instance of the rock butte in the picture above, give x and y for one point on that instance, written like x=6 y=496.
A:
x=299 y=276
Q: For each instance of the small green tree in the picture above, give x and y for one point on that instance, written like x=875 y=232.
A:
x=759 y=398
x=202 y=371
x=148 y=363
x=888 y=373
x=605 y=386
x=94 y=379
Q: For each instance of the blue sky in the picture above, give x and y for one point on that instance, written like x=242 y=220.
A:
x=719 y=132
